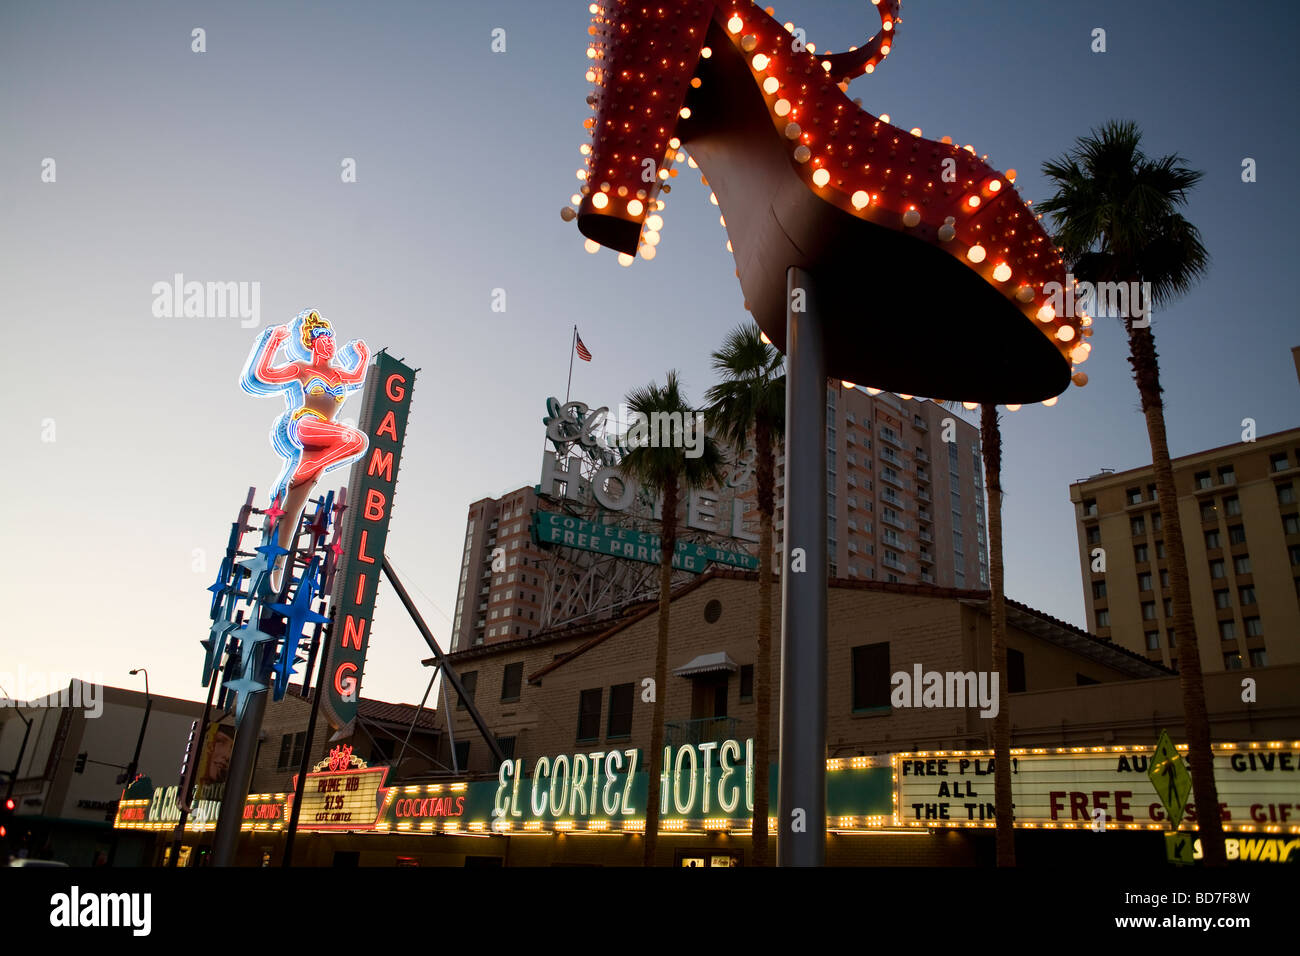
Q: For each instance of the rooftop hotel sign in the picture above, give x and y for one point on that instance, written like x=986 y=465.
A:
x=1083 y=787
x=371 y=487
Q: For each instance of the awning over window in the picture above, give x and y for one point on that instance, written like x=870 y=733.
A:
x=707 y=664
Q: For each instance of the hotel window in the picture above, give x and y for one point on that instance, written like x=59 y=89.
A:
x=1236 y=534
x=512 y=680
x=1152 y=494
x=747 y=672
x=1169 y=607
x=1291 y=524
x=1212 y=540
x=1203 y=480
x=1148 y=610
x=470 y=683
x=1247 y=596
x=1170 y=635
x=1153 y=640
x=1015 y=671
x=1258 y=658
x=620 y=710
x=1098 y=589
x=1139 y=525
x=1286 y=494
x=1227 y=476
x=1140 y=554
x=870 y=675
x=1217 y=570
x=1160 y=549
x=1144 y=581
x=291 y=747
x=1232 y=661
x=507 y=745
x=1253 y=627
x=1090 y=508
x=589 y=714
x=1134 y=496
x=1232 y=506
x=1094 y=535
x=1103 y=618
x=1164 y=578
x=1278 y=462
x=1156 y=523
x=1222 y=599
x=1208 y=511
x=462 y=754
x=1293 y=552
x=1241 y=564
x=1227 y=630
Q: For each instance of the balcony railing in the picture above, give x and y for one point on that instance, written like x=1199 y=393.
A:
x=926 y=557
x=892 y=439
x=891 y=563
x=700 y=731
x=922 y=457
x=922 y=495
x=927 y=537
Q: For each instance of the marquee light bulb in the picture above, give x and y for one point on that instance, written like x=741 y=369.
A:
x=635 y=207
x=1013 y=408
x=821 y=177
x=872 y=391
x=781 y=107
x=1002 y=272
x=770 y=85
x=600 y=200
x=975 y=253
x=970 y=406
x=735 y=24
x=1065 y=333
x=624 y=259
x=655 y=222
x=1046 y=313
x=760 y=62
x=592 y=246
x=861 y=199
x=1049 y=402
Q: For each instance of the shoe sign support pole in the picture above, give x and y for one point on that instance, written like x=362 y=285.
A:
x=801 y=799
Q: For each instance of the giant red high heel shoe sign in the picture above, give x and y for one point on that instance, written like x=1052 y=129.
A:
x=866 y=251
x=889 y=225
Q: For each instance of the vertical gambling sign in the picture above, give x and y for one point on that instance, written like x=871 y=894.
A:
x=371 y=486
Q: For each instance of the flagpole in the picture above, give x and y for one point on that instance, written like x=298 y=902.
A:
x=573 y=347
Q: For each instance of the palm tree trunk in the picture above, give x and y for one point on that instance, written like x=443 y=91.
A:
x=1200 y=757
x=991 y=445
x=655 y=767
x=763 y=663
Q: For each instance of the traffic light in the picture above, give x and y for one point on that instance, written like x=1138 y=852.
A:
x=80 y=766
x=6 y=816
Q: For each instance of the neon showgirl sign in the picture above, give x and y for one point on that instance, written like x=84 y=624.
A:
x=306 y=436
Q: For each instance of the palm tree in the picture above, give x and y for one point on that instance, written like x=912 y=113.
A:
x=1117 y=219
x=991 y=452
x=751 y=397
x=665 y=468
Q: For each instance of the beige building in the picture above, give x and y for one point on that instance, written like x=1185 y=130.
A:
x=1238 y=508
x=905 y=504
x=582 y=689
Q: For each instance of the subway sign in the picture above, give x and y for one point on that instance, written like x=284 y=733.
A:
x=371 y=486
x=1092 y=787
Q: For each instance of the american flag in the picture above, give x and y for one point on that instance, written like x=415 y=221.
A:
x=582 y=349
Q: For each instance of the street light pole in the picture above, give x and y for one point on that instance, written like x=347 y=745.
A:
x=135 y=759
x=144 y=724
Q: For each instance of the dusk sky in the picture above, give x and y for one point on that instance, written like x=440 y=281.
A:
x=225 y=166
